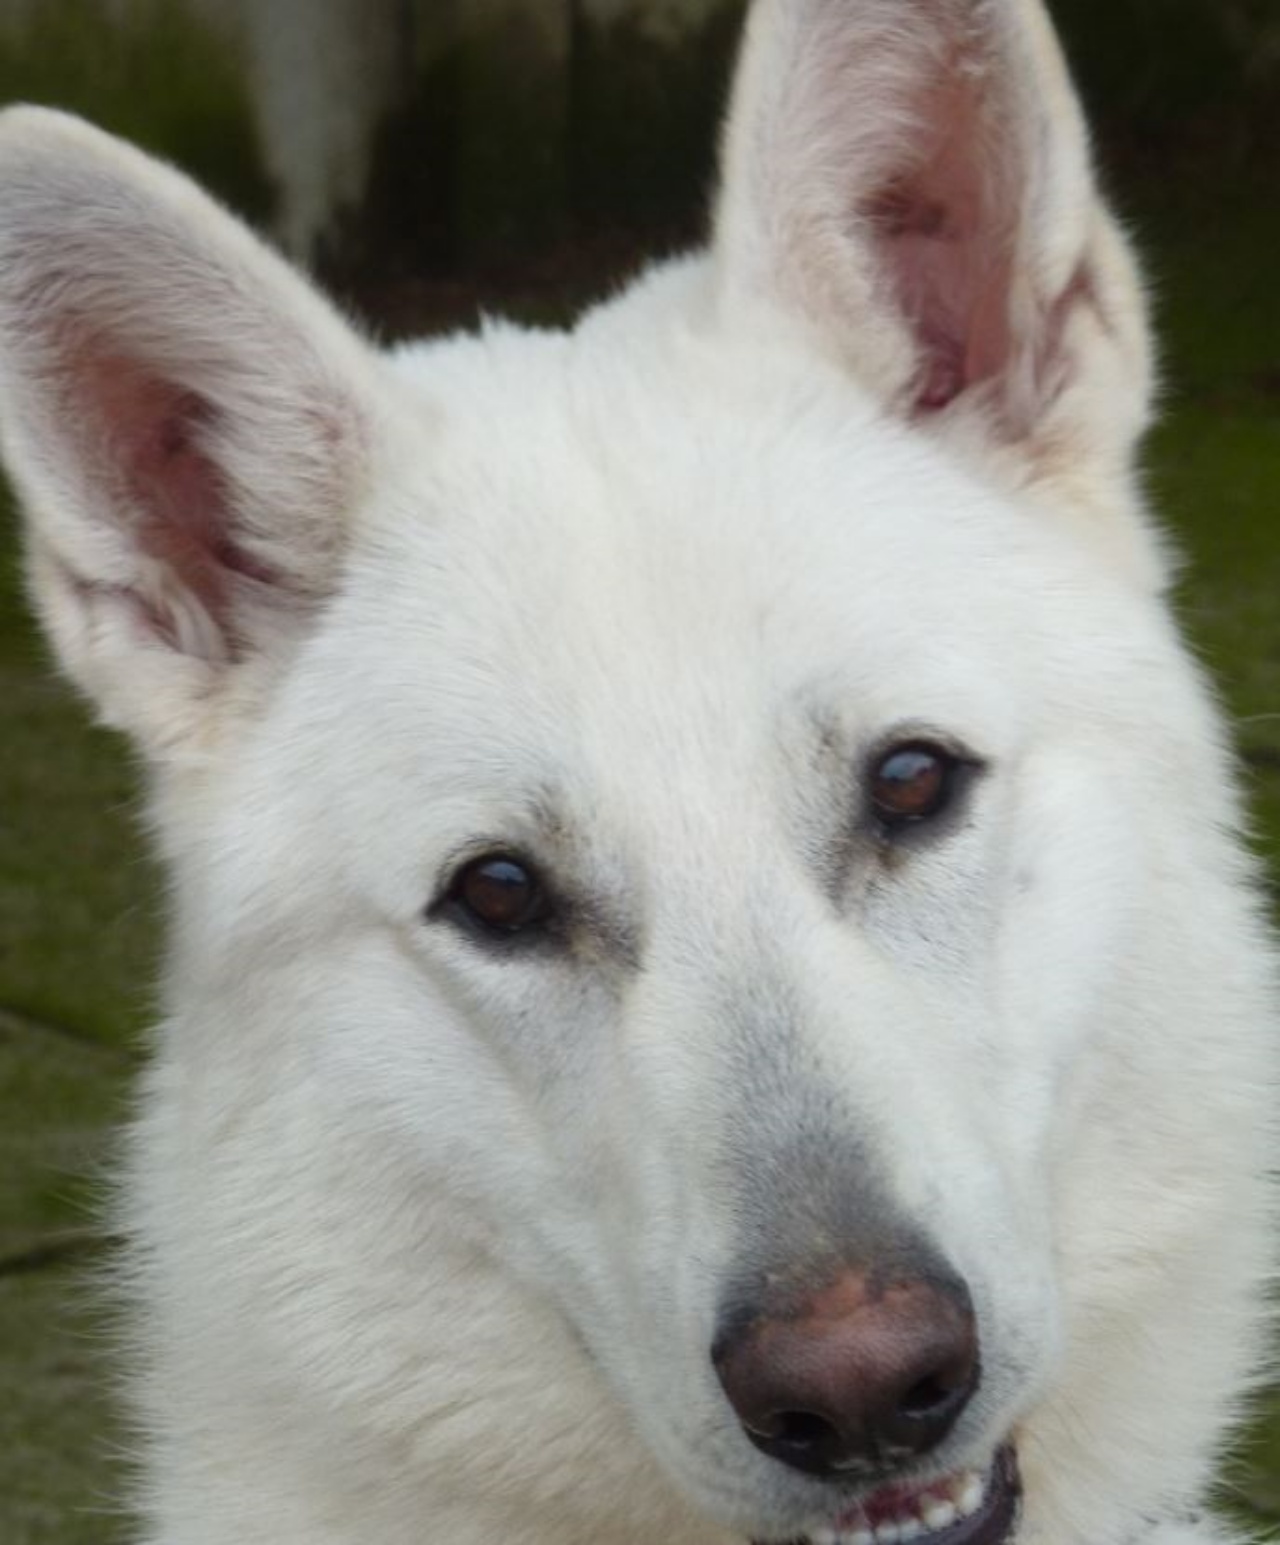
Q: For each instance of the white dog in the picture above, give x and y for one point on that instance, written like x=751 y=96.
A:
x=713 y=994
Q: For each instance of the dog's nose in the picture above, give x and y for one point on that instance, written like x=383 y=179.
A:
x=858 y=1377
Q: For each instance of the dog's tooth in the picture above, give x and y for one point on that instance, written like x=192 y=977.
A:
x=911 y=1528
x=858 y=1537
x=825 y=1537
x=939 y=1514
x=968 y=1496
x=887 y=1533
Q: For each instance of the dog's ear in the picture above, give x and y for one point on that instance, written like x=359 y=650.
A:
x=188 y=426
x=913 y=178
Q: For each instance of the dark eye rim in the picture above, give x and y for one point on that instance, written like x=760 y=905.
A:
x=963 y=767
x=449 y=906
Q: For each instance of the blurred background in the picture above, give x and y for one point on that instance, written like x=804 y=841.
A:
x=430 y=159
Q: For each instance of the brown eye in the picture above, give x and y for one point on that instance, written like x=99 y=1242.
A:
x=501 y=893
x=911 y=783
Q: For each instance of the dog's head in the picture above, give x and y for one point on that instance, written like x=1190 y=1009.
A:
x=665 y=818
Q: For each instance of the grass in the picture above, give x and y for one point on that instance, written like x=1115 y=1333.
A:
x=78 y=916
x=152 y=71
x=60 y=1472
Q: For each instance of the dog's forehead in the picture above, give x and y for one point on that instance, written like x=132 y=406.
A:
x=617 y=509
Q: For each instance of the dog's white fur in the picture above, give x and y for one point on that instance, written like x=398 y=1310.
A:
x=429 y=1245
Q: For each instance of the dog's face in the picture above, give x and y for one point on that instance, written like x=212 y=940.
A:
x=690 y=844
x=624 y=773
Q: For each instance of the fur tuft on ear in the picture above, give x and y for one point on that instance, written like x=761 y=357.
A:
x=913 y=178
x=188 y=424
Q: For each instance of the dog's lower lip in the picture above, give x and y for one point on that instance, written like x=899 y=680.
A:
x=873 y=1522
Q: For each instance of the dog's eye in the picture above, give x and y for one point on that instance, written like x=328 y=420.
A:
x=911 y=783
x=501 y=893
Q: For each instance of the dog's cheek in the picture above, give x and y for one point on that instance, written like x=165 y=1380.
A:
x=1070 y=915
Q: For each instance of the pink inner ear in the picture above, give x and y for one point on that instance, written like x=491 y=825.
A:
x=944 y=233
x=171 y=497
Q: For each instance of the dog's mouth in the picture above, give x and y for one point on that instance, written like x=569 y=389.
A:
x=971 y=1507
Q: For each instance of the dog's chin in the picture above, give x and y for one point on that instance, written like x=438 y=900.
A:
x=971 y=1507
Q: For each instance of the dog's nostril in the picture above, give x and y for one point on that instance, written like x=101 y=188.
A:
x=927 y=1398
x=801 y=1432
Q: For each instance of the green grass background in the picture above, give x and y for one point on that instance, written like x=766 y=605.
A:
x=79 y=924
